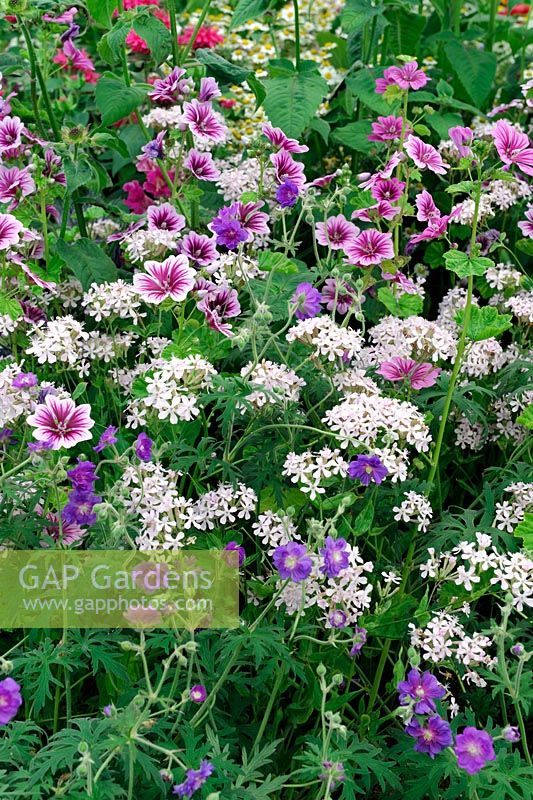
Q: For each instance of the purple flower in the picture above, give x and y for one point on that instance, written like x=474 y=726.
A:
x=10 y=227
x=408 y=76
x=39 y=447
x=335 y=555
x=513 y=146
x=170 y=90
x=518 y=649
x=431 y=737
x=143 y=447
x=426 y=208
x=202 y=121
x=24 y=380
x=370 y=247
x=287 y=194
x=359 y=641
x=307 y=300
x=199 y=248
x=336 y=232
x=337 y=618
x=333 y=773
x=291 y=561
x=208 y=90
x=366 y=469
x=251 y=218
x=424 y=155
x=462 y=139
x=201 y=165
x=164 y=218
x=390 y=189
x=83 y=475
x=282 y=142
x=107 y=438
x=154 y=149
x=6 y=436
x=473 y=749
x=511 y=733
x=383 y=210
x=11 y=129
x=10 y=700
x=79 y=507
x=286 y=168
x=235 y=546
x=337 y=296
x=195 y=780
x=107 y=711
x=386 y=128
x=53 y=167
x=219 y=304
x=198 y=693
x=229 y=231
x=423 y=688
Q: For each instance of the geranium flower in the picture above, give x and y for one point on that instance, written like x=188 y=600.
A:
x=201 y=165
x=195 y=780
x=292 y=562
x=513 y=146
x=432 y=737
x=10 y=227
x=171 y=279
x=164 y=217
x=424 y=155
x=287 y=194
x=337 y=296
x=419 y=376
x=10 y=700
x=386 y=129
x=336 y=232
x=422 y=688
x=366 y=469
x=335 y=555
x=473 y=749
x=228 y=230
x=60 y=423
x=370 y=247
x=306 y=300
x=282 y=142
x=143 y=447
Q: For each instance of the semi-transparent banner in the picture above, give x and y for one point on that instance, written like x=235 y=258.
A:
x=118 y=589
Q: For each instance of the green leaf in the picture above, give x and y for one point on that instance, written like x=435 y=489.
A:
x=88 y=262
x=355 y=136
x=524 y=530
x=246 y=10
x=155 y=34
x=79 y=390
x=463 y=265
x=276 y=262
x=110 y=44
x=441 y=123
x=10 y=307
x=405 y=31
x=292 y=98
x=321 y=127
x=101 y=11
x=406 y=305
x=525 y=246
x=78 y=173
x=474 y=69
x=363 y=87
x=422 y=130
x=526 y=417
x=485 y=323
x=462 y=186
x=115 y=100
x=392 y=622
x=363 y=521
x=356 y=13
x=219 y=68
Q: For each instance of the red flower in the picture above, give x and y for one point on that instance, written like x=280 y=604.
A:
x=206 y=37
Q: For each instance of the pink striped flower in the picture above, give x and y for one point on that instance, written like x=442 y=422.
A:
x=462 y=139
x=419 y=376
x=425 y=156
x=201 y=165
x=203 y=122
x=427 y=209
x=436 y=227
x=384 y=173
x=383 y=210
x=209 y=89
x=390 y=189
x=251 y=219
x=60 y=423
x=10 y=227
x=170 y=90
x=11 y=129
x=200 y=249
x=164 y=218
x=282 y=142
x=336 y=232
x=408 y=76
x=513 y=146
x=526 y=225
x=385 y=81
x=370 y=247
x=15 y=184
x=287 y=169
x=171 y=279
x=217 y=306
x=386 y=128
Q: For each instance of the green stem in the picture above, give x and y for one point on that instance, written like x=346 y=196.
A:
x=268 y=710
x=379 y=673
x=492 y=23
x=171 y=5
x=296 y=34
x=187 y=48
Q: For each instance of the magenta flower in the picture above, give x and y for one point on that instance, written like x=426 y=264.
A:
x=306 y=300
x=402 y=280
x=337 y=618
x=15 y=184
x=432 y=737
x=292 y=562
x=251 y=219
x=199 y=249
x=426 y=208
x=60 y=423
x=65 y=18
x=436 y=228
x=419 y=376
x=473 y=749
x=66 y=533
x=286 y=168
x=220 y=304
x=164 y=218
x=172 y=279
x=513 y=146
x=389 y=189
x=386 y=129
x=53 y=167
x=324 y=180
x=198 y=693
x=370 y=247
x=336 y=232
x=462 y=139
x=422 y=688
x=11 y=129
x=385 y=81
x=424 y=155
x=526 y=225
x=383 y=210
x=337 y=296
x=201 y=165
x=208 y=90
x=202 y=121
x=366 y=469
x=282 y=142
x=170 y=90
x=408 y=76
x=10 y=700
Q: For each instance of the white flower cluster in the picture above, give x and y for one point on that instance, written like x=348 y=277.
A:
x=150 y=244
x=275 y=529
x=233 y=269
x=328 y=339
x=509 y=513
x=506 y=409
x=502 y=276
x=172 y=391
x=522 y=307
x=164 y=117
x=237 y=176
x=453 y=301
x=7 y=325
x=60 y=340
x=272 y=383
x=116 y=299
x=499 y=196
x=470 y=435
x=310 y=469
x=354 y=379
x=414 y=337
x=415 y=508
x=482 y=358
x=69 y=293
x=15 y=402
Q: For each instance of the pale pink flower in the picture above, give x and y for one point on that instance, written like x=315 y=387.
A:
x=386 y=128
x=513 y=146
x=420 y=376
x=424 y=155
x=201 y=165
x=282 y=142
x=60 y=423
x=370 y=247
x=408 y=76
x=336 y=232
x=10 y=227
x=286 y=168
x=172 y=279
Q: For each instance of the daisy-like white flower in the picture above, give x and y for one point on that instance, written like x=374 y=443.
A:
x=173 y=278
x=60 y=423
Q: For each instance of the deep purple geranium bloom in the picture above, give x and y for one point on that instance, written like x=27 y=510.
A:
x=287 y=194
x=306 y=299
x=431 y=737
x=143 y=447
x=236 y=547
x=6 y=436
x=423 y=688
x=228 y=230
x=199 y=249
x=195 y=780
x=359 y=641
x=79 y=508
x=10 y=700
x=107 y=438
x=367 y=468
x=473 y=749
x=83 y=475
x=337 y=618
x=24 y=380
x=370 y=247
x=335 y=555
x=198 y=693
x=291 y=561
x=154 y=148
